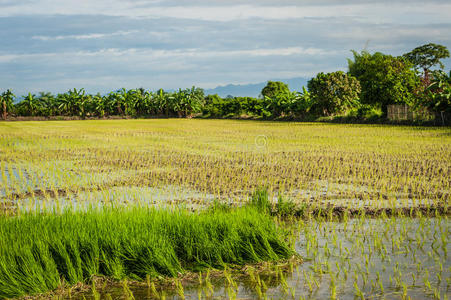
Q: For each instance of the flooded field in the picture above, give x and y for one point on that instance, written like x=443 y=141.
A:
x=192 y=165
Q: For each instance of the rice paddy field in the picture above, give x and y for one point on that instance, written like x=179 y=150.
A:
x=223 y=209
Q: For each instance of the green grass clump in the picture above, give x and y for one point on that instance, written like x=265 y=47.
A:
x=40 y=252
x=260 y=200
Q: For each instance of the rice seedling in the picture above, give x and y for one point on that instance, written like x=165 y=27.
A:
x=41 y=251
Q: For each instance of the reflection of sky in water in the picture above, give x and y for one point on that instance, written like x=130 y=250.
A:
x=21 y=178
x=166 y=196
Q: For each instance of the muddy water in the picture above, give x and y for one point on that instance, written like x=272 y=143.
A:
x=380 y=258
x=163 y=197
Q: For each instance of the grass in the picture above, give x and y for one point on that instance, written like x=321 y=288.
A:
x=40 y=252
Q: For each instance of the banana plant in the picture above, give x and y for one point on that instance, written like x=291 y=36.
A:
x=180 y=103
x=47 y=104
x=6 y=101
x=30 y=104
x=79 y=101
x=302 y=102
x=64 y=104
x=161 y=100
x=98 y=105
x=438 y=93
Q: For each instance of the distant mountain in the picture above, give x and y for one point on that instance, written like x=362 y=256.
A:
x=254 y=89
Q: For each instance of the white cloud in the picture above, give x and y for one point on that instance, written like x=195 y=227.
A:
x=82 y=36
x=147 y=54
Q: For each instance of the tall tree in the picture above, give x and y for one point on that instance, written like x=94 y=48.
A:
x=384 y=79
x=427 y=56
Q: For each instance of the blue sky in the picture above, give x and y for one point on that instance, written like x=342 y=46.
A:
x=103 y=45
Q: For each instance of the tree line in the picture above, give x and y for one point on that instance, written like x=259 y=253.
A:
x=372 y=82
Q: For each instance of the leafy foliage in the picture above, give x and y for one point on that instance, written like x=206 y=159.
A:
x=334 y=92
x=275 y=89
x=438 y=93
x=134 y=102
x=384 y=79
x=427 y=56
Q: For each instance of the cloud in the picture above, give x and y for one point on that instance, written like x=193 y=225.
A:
x=149 y=54
x=82 y=36
x=109 y=69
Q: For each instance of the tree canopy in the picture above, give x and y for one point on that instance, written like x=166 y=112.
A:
x=384 y=79
x=427 y=56
x=334 y=92
x=274 y=89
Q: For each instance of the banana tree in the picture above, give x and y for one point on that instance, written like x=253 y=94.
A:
x=64 y=104
x=161 y=100
x=180 y=103
x=149 y=105
x=29 y=104
x=78 y=100
x=98 y=105
x=302 y=102
x=191 y=101
x=119 y=99
x=438 y=96
x=7 y=105
x=132 y=99
x=47 y=103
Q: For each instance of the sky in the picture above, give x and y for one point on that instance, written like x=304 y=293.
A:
x=103 y=45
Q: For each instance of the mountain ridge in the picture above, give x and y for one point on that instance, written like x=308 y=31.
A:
x=254 y=89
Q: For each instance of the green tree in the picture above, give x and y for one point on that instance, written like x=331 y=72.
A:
x=333 y=92
x=427 y=56
x=6 y=103
x=30 y=104
x=47 y=103
x=274 y=89
x=384 y=79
